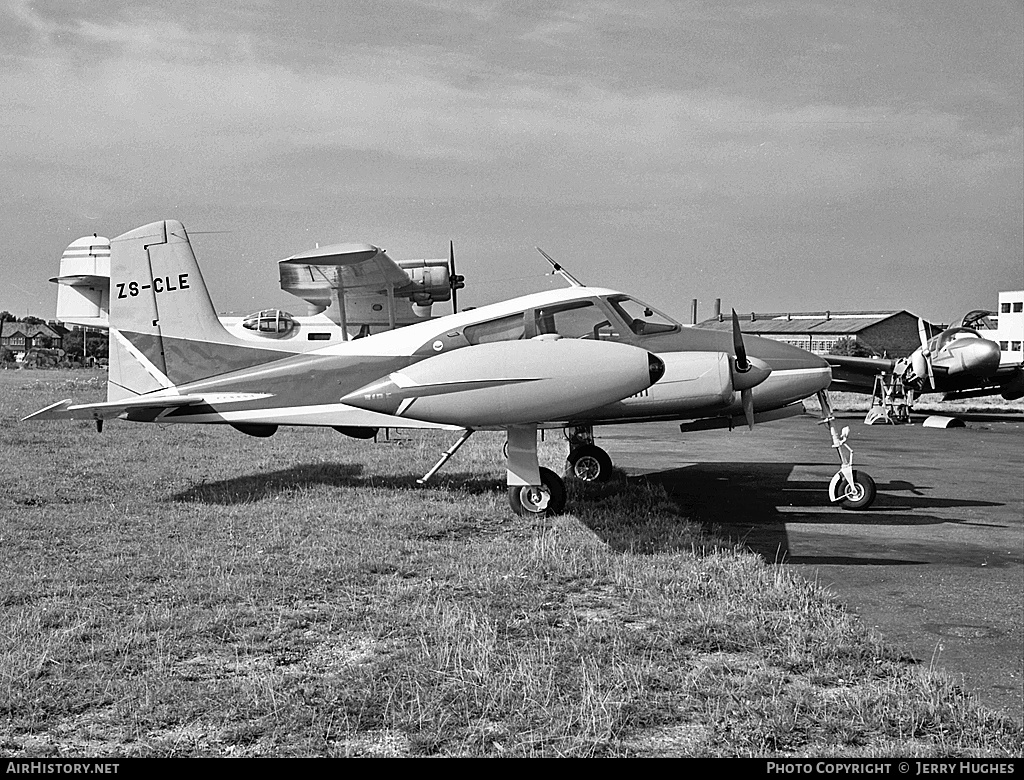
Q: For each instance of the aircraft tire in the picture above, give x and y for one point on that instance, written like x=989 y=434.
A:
x=589 y=463
x=864 y=492
x=539 y=501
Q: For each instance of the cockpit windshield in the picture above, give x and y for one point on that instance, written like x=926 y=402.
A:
x=641 y=318
x=952 y=334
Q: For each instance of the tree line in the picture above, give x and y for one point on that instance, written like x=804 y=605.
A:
x=44 y=353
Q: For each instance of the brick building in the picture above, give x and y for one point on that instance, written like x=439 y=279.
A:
x=20 y=337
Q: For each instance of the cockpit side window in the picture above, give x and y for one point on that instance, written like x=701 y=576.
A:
x=641 y=318
x=505 y=329
x=577 y=320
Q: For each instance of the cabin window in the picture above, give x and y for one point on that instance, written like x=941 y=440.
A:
x=1004 y=346
x=1018 y=306
x=318 y=336
x=578 y=320
x=505 y=329
x=1015 y=346
x=270 y=322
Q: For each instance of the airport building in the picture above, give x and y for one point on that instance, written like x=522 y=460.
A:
x=1009 y=332
x=878 y=333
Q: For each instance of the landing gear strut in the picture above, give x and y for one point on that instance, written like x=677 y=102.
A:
x=587 y=462
x=532 y=490
x=850 y=488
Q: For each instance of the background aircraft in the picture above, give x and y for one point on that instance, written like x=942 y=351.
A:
x=958 y=362
x=346 y=287
x=571 y=358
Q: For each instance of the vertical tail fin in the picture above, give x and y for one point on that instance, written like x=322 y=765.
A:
x=83 y=293
x=164 y=330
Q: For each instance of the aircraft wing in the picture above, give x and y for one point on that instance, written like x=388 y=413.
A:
x=857 y=374
x=315 y=275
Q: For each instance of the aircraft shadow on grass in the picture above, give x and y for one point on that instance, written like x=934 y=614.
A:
x=256 y=486
x=752 y=503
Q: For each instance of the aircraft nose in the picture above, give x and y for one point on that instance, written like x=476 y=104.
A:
x=977 y=357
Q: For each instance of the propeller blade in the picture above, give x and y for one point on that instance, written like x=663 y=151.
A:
x=746 y=373
x=742 y=364
x=747 y=397
x=454 y=280
x=925 y=352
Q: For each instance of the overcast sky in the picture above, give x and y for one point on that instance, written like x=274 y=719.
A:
x=787 y=155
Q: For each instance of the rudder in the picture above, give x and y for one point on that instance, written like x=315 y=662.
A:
x=164 y=330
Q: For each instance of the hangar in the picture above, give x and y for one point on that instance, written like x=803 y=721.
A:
x=880 y=333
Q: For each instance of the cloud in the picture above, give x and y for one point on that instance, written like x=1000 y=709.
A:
x=649 y=119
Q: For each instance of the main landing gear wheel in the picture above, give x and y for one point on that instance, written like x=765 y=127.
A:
x=859 y=495
x=543 y=500
x=590 y=463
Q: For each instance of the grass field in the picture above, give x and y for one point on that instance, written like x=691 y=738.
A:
x=190 y=591
x=927 y=404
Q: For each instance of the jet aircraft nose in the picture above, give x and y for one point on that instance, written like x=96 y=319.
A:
x=977 y=357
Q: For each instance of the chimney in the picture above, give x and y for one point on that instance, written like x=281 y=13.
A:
x=693 y=312
x=753 y=317
x=718 y=308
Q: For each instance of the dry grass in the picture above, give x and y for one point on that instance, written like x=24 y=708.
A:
x=993 y=404
x=190 y=591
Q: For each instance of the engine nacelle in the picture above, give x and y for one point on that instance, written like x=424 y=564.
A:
x=512 y=383
x=1014 y=389
x=429 y=282
x=917 y=375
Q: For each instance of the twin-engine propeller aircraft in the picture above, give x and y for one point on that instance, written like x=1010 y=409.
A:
x=570 y=358
x=958 y=362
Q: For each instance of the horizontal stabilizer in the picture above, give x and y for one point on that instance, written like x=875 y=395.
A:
x=65 y=410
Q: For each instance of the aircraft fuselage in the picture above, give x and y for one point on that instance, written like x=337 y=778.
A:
x=306 y=389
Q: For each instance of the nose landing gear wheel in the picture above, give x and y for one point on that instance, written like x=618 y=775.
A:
x=859 y=495
x=590 y=463
x=542 y=500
